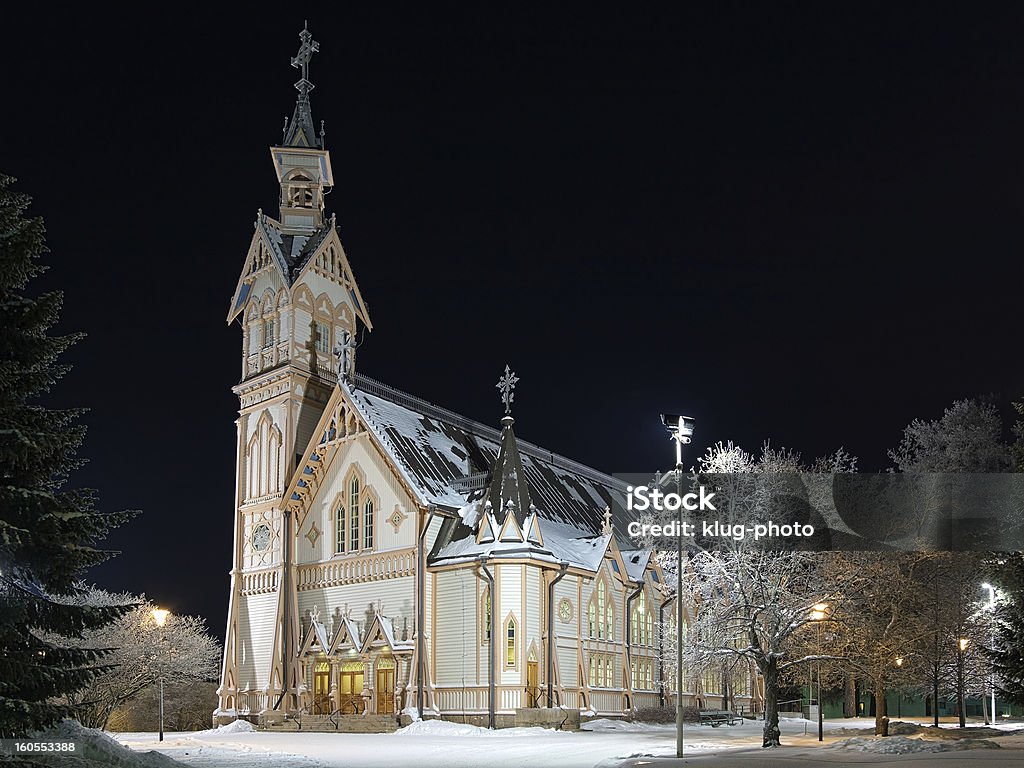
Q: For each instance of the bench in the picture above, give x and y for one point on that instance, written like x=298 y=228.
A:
x=716 y=717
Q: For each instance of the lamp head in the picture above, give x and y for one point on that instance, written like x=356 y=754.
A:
x=963 y=642
x=680 y=427
x=160 y=616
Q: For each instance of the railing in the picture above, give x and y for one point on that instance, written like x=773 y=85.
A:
x=384 y=565
x=259 y=582
x=250 y=702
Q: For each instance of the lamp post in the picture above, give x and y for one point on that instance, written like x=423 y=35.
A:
x=961 y=646
x=681 y=430
x=899 y=693
x=160 y=617
x=992 y=643
x=818 y=613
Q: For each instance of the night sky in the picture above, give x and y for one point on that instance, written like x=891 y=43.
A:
x=793 y=222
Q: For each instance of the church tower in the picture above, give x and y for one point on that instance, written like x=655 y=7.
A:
x=298 y=306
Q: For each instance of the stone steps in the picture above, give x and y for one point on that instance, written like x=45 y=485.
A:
x=371 y=723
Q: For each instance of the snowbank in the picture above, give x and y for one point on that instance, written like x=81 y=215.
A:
x=97 y=750
x=446 y=728
x=604 y=724
x=904 y=745
x=235 y=726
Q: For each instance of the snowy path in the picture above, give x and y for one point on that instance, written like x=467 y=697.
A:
x=611 y=743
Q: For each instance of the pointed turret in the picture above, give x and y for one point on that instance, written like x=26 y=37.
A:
x=507 y=492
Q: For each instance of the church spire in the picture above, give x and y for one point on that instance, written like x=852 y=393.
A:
x=508 y=492
x=300 y=132
x=302 y=164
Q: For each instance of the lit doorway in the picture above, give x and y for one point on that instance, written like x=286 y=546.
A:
x=351 y=687
x=386 y=685
x=322 y=688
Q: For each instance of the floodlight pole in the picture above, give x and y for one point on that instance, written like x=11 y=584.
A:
x=992 y=643
x=679 y=603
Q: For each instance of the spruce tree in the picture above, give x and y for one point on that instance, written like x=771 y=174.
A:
x=48 y=530
x=1007 y=654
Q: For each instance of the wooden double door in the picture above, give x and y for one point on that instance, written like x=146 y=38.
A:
x=385 y=685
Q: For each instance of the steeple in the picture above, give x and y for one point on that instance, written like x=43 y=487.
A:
x=300 y=132
x=508 y=492
x=302 y=164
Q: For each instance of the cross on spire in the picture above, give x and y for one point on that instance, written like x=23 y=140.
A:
x=507 y=385
x=301 y=59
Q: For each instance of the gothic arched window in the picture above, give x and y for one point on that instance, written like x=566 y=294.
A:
x=353 y=513
x=600 y=613
x=510 y=641
x=485 y=616
x=339 y=526
x=368 y=524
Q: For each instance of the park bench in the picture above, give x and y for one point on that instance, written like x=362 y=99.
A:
x=716 y=717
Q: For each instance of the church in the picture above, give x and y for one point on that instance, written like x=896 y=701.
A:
x=391 y=555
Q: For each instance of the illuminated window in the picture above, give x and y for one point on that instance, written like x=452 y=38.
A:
x=600 y=614
x=510 y=642
x=268 y=333
x=641 y=628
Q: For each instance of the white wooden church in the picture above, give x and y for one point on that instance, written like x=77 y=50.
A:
x=393 y=555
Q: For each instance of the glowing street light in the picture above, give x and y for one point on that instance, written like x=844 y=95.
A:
x=160 y=619
x=681 y=430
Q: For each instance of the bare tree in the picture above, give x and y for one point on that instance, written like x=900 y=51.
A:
x=141 y=654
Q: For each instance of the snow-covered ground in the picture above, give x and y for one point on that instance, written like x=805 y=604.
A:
x=453 y=745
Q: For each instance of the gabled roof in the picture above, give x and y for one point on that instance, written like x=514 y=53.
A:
x=448 y=457
x=291 y=253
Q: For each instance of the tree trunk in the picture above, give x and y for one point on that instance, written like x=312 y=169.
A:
x=770 y=673
x=850 y=700
x=881 y=719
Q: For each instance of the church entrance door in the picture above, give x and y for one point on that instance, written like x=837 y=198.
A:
x=322 y=688
x=351 y=687
x=385 y=685
x=532 y=690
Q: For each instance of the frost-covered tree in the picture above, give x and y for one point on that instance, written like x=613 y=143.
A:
x=48 y=531
x=751 y=604
x=141 y=654
x=968 y=438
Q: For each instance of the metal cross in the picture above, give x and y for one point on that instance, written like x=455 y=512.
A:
x=306 y=50
x=506 y=385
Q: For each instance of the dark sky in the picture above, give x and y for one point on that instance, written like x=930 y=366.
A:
x=792 y=222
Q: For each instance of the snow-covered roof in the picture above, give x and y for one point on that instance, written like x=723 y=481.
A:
x=442 y=453
x=636 y=562
x=291 y=252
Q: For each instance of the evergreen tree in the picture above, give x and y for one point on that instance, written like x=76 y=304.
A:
x=1009 y=629
x=48 y=531
x=1018 y=430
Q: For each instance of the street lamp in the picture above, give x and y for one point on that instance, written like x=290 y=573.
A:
x=160 y=617
x=961 y=646
x=681 y=430
x=992 y=643
x=899 y=693
x=818 y=613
